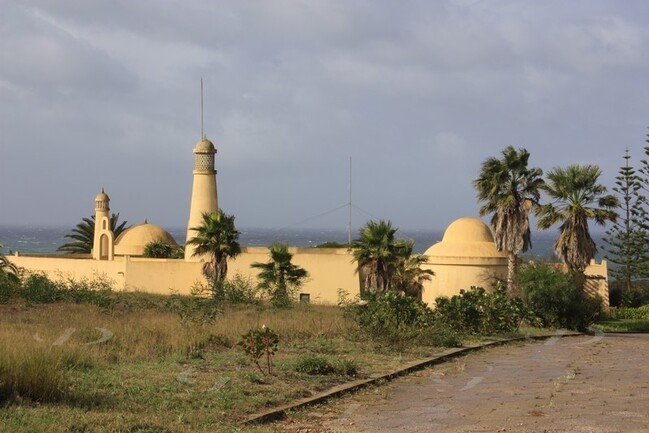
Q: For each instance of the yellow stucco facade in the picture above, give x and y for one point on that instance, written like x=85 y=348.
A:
x=465 y=257
x=329 y=270
x=204 y=196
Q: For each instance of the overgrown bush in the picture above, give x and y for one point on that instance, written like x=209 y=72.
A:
x=9 y=287
x=240 y=290
x=475 y=311
x=193 y=309
x=556 y=298
x=97 y=291
x=636 y=296
x=39 y=289
x=439 y=335
x=322 y=365
x=395 y=320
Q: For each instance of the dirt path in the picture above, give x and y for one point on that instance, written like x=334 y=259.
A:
x=577 y=384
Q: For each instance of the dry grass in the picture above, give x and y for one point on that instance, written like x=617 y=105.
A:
x=156 y=373
x=145 y=363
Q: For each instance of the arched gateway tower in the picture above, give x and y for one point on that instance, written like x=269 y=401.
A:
x=204 y=195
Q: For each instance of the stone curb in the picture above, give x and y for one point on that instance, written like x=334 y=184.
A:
x=350 y=387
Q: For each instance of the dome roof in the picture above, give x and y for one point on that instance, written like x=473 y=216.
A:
x=133 y=240
x=102 y=196
x=466 y=237
x=204 y=146
x=468 y=230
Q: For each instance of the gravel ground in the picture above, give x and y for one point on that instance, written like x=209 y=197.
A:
x=577 y=384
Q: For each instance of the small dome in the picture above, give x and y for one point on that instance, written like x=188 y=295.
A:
x=466 y=237
x=133 y=240
x=204 y=146
x=468 y=230
x=102 y=196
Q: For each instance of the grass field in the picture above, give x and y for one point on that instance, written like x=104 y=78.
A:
x=622 y=319
x=77 y=368
x=622 y=325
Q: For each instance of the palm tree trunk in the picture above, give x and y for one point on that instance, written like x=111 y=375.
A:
x=511 y=271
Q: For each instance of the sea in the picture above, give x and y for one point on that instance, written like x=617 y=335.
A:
x=45 y=240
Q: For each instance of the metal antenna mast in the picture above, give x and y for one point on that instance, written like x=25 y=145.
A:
x=202 y=132
x=349 y=226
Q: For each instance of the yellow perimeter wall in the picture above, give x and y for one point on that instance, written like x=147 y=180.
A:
x=329 y=271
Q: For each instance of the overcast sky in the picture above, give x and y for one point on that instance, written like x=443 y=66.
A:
x=418 y=93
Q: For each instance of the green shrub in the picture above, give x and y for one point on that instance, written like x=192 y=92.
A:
x=9 y=287
x=636 y=296
x=85 y=291
x=392 y=310
x=258 y=343
x=555 y=297
x=315 y=365
x=391 y=318
x=193 y=309
x=333 y=244
x=624 y=313
x=240 y=290
x=322 y=366
x=347 y=367
x=39 y=289
x=477 y=312
x=439 y=335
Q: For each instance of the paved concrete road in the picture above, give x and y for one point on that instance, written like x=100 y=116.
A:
x=576 y=384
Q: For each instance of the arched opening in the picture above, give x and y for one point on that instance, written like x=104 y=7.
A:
x=103 y=247
x=104 y=224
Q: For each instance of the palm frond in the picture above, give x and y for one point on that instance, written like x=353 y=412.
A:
x=576 y=198
x=83 y=235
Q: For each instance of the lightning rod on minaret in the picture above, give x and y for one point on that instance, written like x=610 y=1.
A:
x=202 y=132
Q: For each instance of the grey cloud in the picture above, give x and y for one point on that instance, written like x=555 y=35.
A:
x=418 y=93
x=43 y=58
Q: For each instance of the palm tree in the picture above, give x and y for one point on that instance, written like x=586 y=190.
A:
x=159 y=250
x=509 y=190
x=409 y=277
x=7 y=268
x=217 y=239
x=279 y=275
x=576 y=198
x=83 y=235
x=377 y=255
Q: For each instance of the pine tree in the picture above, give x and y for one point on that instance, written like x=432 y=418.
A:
x=628 y=238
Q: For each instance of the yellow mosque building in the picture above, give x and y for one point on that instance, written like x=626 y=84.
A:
x=465 y=257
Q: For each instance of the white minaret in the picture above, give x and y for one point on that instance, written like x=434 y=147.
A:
x=103 y=245
x=204 y=196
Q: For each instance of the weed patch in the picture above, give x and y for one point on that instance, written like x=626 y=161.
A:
x=321 y=365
